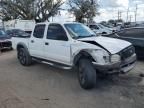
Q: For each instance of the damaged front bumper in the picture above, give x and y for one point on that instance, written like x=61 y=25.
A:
x=119 y=67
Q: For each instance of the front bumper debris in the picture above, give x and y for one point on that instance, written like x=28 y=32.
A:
x=120 y=67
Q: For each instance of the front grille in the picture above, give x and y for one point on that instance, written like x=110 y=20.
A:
x=128 y=52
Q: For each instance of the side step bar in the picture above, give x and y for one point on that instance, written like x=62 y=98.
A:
x=58 y=65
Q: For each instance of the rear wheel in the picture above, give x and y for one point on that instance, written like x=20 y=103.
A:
x=86 y=74
x=24 y=57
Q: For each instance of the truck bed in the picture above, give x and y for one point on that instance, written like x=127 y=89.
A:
x=17 y=40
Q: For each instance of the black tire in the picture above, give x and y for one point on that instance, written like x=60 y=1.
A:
x=86 y=74
x=24 y=57
x=104 y=33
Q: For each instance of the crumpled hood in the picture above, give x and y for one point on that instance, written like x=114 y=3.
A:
x=112 y=45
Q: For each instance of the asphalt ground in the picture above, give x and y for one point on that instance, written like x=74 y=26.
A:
x=43 y=86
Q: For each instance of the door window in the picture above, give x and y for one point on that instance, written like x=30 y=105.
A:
x=56 y=32
x=94 y=27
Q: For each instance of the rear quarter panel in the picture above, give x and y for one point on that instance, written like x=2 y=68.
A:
x=17 y=40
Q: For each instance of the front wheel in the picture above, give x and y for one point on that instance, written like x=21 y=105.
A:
x=86 y=74
x=104 y=33
x=24 y=57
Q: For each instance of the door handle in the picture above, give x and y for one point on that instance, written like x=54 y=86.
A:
x=46 y=43
x=32 y=41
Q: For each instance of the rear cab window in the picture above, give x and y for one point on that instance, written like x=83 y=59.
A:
x=39 y=31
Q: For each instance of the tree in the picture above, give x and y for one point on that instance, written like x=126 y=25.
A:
x=119 y=20
x=83 y=9
x=111 y=21
x=40 y=10
x=13 y=9
x=47 y=9
x=103 y=22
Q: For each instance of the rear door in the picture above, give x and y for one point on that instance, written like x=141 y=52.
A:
x=36 y=44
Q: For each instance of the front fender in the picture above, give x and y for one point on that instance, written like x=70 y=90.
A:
x=80 y=55
x=81 y=49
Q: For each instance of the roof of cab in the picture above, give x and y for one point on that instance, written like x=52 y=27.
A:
x=56 y=23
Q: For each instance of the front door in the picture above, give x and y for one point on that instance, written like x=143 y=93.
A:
x=57 y=46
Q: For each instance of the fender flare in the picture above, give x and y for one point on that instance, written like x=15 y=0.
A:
x=82 y=54
x=21 y=45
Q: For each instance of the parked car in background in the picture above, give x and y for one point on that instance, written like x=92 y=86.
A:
x=17 y=33
x=5 y=41
x=100 y=29
x=134 y=35
x=111 y=27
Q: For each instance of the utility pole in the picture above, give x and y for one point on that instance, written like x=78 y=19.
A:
x=130 y=17
x=136 y=13
x=118 y=14
x=127 y=14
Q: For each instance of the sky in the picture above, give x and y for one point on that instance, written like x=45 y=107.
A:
x=109 y=10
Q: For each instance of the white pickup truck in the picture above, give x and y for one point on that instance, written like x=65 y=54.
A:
x=71 y=45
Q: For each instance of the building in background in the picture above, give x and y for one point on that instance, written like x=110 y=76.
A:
x=26 y=25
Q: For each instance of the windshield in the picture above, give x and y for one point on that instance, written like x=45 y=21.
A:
x=2 y=33
x=109 y=26
x=101 y=26
x=104 y=27
x=79 y=31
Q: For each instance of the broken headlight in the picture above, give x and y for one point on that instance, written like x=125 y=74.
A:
x=115 y=58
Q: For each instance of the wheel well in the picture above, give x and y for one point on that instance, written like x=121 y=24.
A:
x=104 y=33
x=19 y=46
x=82 y=54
